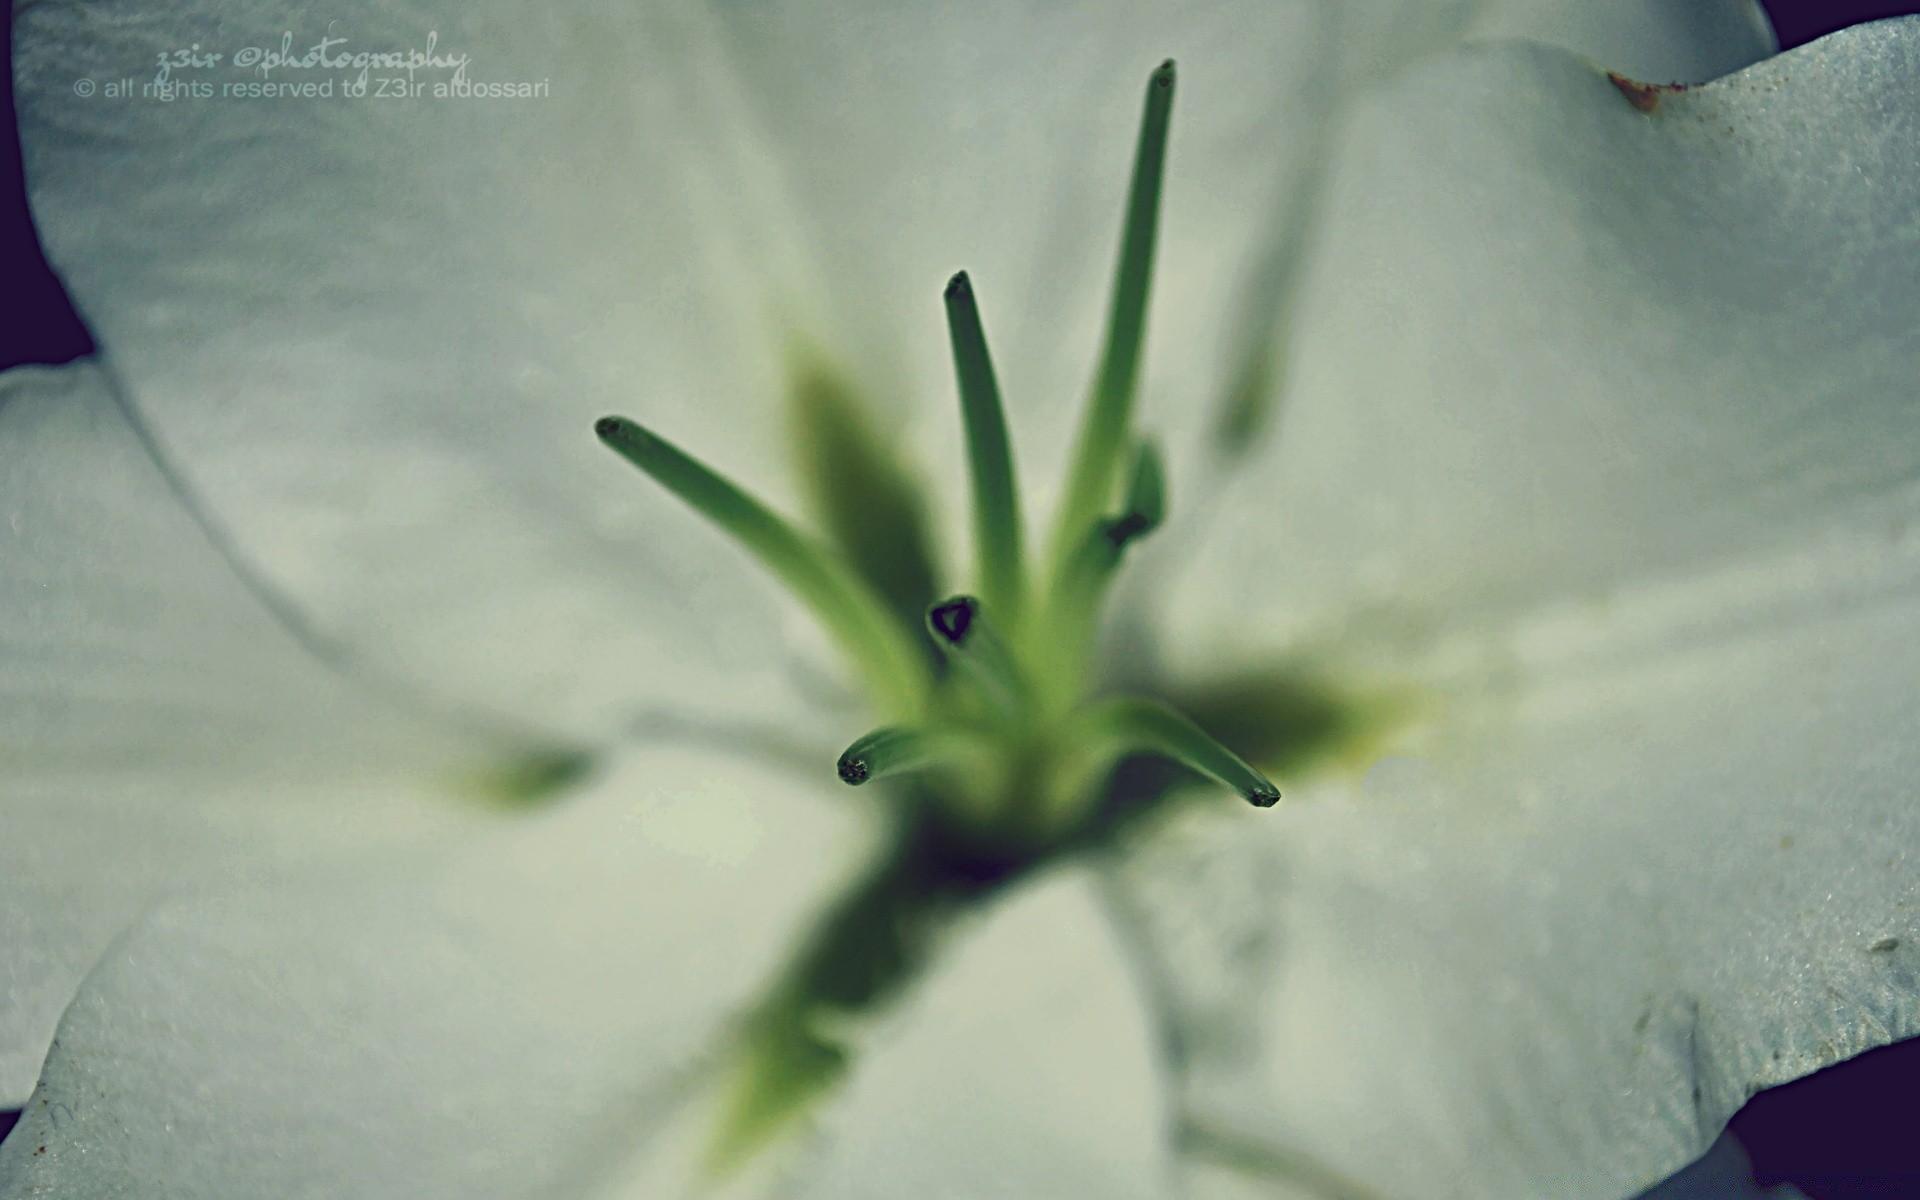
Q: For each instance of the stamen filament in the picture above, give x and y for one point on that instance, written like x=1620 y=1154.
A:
x=1133 y=724
x=1074 y=606
x=858 y=619
x=996 y=503
x=897 y=749
x=1103 y=437
x=960 y=628
x=1146 y=503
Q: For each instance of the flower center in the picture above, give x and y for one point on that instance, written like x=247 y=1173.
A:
x=1001 y=751
x=1003 y=722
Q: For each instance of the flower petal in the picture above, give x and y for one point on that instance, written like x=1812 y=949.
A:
x=160 y=730
x=1024 y=1066
x=375 y=331
x=1610 y=390
x=512 y=1022
x=1553 y=342
x=1552 y=947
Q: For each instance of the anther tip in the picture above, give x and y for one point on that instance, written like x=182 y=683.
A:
x=854 y=771
x=1163 y=74
x=959 y=286
x=1264 y=797
x=608 y=428
x=952 y=619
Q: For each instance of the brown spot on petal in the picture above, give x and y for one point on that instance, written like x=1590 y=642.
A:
x=1643 y=96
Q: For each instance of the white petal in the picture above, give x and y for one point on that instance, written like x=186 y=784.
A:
x=160 y=731
x=376 y=331
x=1667 y=41
x=1024 y=1068
x=1555 y=945
x=1552 y=343
x=508 y=1024
x=1640 y=385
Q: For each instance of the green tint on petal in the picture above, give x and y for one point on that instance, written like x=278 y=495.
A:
x=862 y=955
x=1291 y=722
x=780 y=1069
x=1251 y=401
x=867 y=503
x=527 y=780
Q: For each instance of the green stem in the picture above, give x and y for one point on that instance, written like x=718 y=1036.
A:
x=1103 y=437
x=894 y=668
x=1080 y=587
x=898 y=749
x=996 y=499
x=1131 y=724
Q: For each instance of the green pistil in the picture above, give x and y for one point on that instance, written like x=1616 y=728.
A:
x=996 y=501
x=1103 y=437
x=857 y=618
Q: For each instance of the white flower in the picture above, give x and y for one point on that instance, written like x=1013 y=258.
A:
x=1596 y=441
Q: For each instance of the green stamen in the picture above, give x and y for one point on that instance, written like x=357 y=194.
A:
x=996 y=502
x=1103 y=437
x=1146 y=499
x=1074 y=607
x=1132 y=724
x=961 y=630
x=898 y=749
x=857 y=619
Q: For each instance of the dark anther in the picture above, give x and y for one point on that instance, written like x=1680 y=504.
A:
x=1265 y=797
x=853 y=771
x=952 y=619
x=607 y=427
x=1126 y=528
x=959 y=285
